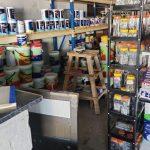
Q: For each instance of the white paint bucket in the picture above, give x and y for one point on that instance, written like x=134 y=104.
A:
x=10 y=57
x=3 y=28
x=52 y=25
x=62 y=23
x=12 y=27
x=61 y=14
x=47 y=25
x=27 y=85
x=56 y=25
x=20 y=27
x=3 y=16
x=22 y=39
x=67 y=24
x=56 y=14
x=11 y=16
x=29 y=26
x=40 y=25
x=76 y=14
x=39 y=83
x=45 y=14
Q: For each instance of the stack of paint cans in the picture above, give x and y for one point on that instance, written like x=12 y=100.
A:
x=37 y=62
x=2 y=74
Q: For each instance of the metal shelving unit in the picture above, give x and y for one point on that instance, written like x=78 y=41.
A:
x=138 y=112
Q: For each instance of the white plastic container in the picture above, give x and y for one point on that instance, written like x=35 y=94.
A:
x=39 y=83
x=20 y=27
x=29 y=26
x=45 y=14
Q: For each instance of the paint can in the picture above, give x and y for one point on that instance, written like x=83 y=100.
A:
x=92 y=21
x=56 y=25
x=52 y=25
x=2 y=49
x=51 y=15
x=62 y=23
x=56 y=14
x=37 y=69
x=51 y=80
x=40 y=25
x=39 y=83
x=25 y=73
x=10 y=56
x=27 y=85
x=21 y=39
x=67 y=24
x=2 y=79
x=61 y=14
x=82 y=14
x=29 y=26
x=12 y=27
x=11 y=16
x=12 y=76
x=76 y=14
x=45 y=13
x=22 y=55
x=77 y=22
x=36 y=53
x=3 y=28
x=3 y=16
x=47 y=25
x=20 y=27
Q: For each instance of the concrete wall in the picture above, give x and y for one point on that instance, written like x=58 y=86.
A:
x=30 y=9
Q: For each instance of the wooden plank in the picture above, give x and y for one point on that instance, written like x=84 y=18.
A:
x=90 y=28
x=8 y=39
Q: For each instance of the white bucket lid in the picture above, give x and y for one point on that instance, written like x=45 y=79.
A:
x=51 y=75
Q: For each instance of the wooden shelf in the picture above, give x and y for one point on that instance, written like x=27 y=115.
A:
x=91 y=28
x=56 y=33
x=91 y=1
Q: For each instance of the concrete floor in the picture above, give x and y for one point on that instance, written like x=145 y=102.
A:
x=92 y=128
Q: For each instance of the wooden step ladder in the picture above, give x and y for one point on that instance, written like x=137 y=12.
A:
x=72 y=70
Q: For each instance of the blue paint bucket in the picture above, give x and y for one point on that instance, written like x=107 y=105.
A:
x=77 y=22
x=52 y=26
x=12 y=27
x=47 y=25
x=40 y=25
x=3 y=16
x=22 y=39
x=51 y=14
x=3 y=28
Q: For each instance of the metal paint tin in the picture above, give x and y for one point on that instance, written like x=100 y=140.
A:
x=61 y=14
x=40 y=25
x=56 y=14
x=29 y=26
x=11 y=16
x=67 y=24
x=76 y=14
x=3 y=28
x=47 y=25
x=52 y=26
x=12 y=27
x=62 y=23
x=92 y=21
x=20 y=27
x=3 y=16
x=56 y=25
x=45 y=13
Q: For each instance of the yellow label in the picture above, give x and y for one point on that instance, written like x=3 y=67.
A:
x=117 y=97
